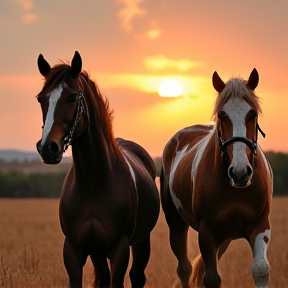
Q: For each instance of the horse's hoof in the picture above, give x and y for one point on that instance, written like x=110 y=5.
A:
x=178 y=284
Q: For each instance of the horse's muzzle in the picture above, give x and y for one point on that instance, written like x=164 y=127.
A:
x=50 y=152
x=241 y=179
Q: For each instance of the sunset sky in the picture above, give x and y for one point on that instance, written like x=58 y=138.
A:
x=130 y=47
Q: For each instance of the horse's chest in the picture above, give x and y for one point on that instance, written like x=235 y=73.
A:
x=77 y=210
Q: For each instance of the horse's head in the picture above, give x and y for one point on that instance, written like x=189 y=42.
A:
x=236 y=113
x=62 y=106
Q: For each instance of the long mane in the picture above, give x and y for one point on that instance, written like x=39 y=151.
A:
x=236 y=88
x=100 y=104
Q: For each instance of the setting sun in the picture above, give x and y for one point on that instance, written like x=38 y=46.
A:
x=170 y=88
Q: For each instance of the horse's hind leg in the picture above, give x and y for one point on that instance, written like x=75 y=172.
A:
x=141 y=255
x=178 y=229
x=209 y=247
x=74 y=260
x=178 y=243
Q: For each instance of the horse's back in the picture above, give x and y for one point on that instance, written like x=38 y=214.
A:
x=143 y=170
x=184 y=140
x=139 y=153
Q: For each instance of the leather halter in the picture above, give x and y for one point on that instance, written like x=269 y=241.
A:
x=252 y=144
x=80 y=109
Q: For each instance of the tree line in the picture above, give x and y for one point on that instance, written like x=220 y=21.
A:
x=18 y=184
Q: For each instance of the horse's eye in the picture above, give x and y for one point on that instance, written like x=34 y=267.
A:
x=72 y=98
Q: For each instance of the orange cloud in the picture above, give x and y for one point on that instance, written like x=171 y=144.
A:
x=160 y=62
x=29 y=17
x=153 y=34
x=192 y=86
x=130 y=10
x=25 y=4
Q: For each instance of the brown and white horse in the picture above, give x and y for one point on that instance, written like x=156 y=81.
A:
x=217 y=180
x=109 y=199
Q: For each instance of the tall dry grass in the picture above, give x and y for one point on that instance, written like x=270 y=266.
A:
x=31 y=250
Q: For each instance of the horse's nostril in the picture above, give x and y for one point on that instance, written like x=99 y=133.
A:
x=249 y=170
x=53 y=148
x=231 y=173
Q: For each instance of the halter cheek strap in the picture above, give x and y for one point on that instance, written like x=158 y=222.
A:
x=80 y=109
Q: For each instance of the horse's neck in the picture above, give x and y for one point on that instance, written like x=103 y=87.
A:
x=93 y=157
x=215 y=149
x=94 y=152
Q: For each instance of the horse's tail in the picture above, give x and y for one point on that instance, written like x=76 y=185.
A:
x=198 y=271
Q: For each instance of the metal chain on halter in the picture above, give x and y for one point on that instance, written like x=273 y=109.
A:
x=80 y=109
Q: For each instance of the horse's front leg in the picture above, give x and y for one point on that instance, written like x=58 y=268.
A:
x=119 y=258
x=74 y=260
x=208 y=248
x=259 y=241
x=141 y=254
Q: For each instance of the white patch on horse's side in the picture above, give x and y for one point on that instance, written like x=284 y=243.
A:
x=267 y=166
x=237 y=109
x=200 y=146
x=178 y=157
x=261 y=267
x=53 y=99
x=131 y=171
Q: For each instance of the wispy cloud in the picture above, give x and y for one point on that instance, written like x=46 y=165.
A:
x=25 y=4
x=29 y=17
x=196 y=85
x=153 y=34
x=130 y=11
x=160 y=62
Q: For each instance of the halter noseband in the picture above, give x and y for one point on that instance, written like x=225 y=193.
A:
x=252 y=144
x=80 y=109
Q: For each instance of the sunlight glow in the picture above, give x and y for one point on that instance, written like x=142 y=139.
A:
x=170 y=88
x=160 y=62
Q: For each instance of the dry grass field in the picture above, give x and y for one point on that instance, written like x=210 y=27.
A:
x=31 y=250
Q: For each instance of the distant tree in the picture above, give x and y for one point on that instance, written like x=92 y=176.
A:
x=279 y=165
x=21 y=184
x=35 y=185
x=158 y=165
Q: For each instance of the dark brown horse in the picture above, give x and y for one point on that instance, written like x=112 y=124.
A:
x=109 y=199
x=217 y=180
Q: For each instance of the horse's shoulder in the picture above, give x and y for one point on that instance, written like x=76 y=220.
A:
x=190 y=135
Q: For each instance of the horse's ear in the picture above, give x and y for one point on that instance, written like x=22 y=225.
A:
x=253 y=79
x=43 y=66
x=76 y=64
x=218 y=84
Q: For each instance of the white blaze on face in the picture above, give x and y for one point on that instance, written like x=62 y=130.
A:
x=237 y=109
x=53 y=99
